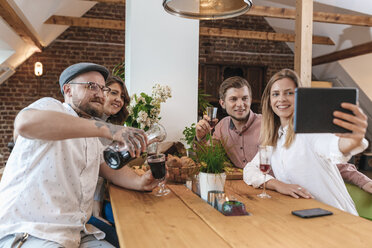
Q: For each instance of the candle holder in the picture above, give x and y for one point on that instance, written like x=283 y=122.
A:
x=234 y=208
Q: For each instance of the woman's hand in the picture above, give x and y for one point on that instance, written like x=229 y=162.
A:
x=368 y=187
x=294 y=190
x=356 y=123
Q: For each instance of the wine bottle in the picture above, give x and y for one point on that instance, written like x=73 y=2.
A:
x=116 y=158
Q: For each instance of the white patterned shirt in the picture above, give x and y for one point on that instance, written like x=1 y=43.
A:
x=47 y=187
x=310 y=162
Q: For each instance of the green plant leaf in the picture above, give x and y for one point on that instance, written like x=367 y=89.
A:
x=212 y=155
x=189 y=134
x=119 y=70
x=202 y=101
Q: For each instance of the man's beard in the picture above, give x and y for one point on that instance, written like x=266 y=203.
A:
x=87 y=109
x=242 y=119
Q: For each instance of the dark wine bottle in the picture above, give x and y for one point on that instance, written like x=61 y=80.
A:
x=116 y=159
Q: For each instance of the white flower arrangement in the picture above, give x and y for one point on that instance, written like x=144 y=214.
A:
x=144 y=110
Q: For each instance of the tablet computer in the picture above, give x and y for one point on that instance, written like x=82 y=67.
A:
x=311 y=213
x=314 y=108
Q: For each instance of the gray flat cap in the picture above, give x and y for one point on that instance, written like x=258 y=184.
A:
x=75 y=70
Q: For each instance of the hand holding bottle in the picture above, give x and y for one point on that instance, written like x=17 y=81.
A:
x=119 y=153
x=132 y=140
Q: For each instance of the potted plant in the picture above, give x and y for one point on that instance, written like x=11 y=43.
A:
x=212 y=158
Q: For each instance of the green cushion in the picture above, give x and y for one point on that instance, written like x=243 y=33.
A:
x=362 y=200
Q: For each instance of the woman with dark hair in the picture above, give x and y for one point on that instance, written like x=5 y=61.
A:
x=117 y=101
x=304 y=165
x=115 y=112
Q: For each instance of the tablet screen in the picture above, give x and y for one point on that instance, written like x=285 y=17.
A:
x=314 y=108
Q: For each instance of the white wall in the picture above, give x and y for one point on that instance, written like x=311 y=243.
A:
x=344 y=79
x=161 y=48
x=359 y=68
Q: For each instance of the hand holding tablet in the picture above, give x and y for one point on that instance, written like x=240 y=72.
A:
x=315 y=107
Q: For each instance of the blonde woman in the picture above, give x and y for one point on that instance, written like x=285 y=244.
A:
x=304 y=165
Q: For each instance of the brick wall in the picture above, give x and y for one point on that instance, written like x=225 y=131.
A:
x=270 y=54
x=75 y=45
x=106 y=47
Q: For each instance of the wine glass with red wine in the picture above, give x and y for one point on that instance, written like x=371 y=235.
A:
x=265 y=153
x=157 y=166
x=212 y=114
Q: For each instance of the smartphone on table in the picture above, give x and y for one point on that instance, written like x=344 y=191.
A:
x=311 y=213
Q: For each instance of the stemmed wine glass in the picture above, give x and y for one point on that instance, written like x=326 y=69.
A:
x=157 y=166
x=212 y=114
x=265 y=153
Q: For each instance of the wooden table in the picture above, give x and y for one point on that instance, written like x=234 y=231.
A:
x=182 y=219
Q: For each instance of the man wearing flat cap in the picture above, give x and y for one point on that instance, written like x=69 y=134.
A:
x=46 y=192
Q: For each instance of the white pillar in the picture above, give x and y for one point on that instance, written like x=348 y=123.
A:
x=162 y=48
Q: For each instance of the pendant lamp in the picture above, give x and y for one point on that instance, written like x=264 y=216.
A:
x=207 y=9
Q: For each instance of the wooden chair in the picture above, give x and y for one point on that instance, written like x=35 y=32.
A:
x=362 y=200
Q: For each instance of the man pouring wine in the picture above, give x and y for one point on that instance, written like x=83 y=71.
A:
x=46 y=193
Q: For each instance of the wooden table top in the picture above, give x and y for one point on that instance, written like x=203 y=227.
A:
x=182 y=219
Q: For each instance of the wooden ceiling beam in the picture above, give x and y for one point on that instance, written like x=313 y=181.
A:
x=86 y=22
x=15 y=22
x=219 y=32
x=246 y=34
x=285 y=13
x=344 y=54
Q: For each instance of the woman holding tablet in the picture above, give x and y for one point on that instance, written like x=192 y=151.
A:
x=305 y=164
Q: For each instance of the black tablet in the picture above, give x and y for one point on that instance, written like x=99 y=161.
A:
x=311 y=213
x=314 y=108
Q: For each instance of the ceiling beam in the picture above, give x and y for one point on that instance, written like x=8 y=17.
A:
x=219 y=32
x=344 y=54
x=86 y=22
x=107 y=1
x=15 y=22
x=246 y=34
x=283 y=13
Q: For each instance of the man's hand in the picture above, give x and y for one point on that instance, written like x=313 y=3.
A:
x=133 y=139
x=203 y=127
x=293 y=190
x=148 y=182
x=127 y=178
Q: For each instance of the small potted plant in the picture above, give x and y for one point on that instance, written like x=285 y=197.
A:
x=212 y=158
